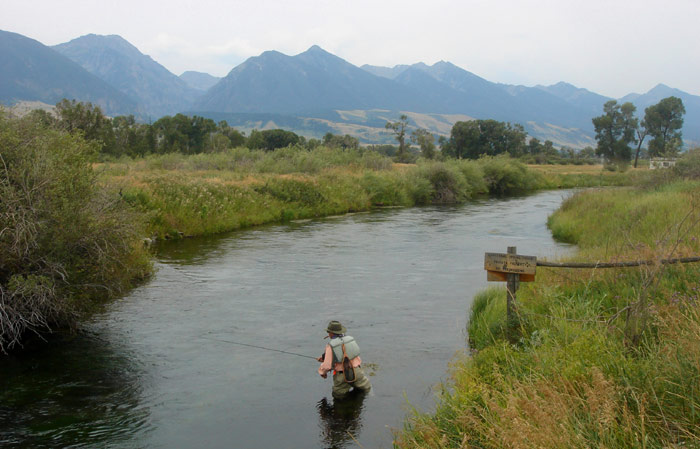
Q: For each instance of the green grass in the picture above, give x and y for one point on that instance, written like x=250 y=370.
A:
x=211 y=193
x=602 y=358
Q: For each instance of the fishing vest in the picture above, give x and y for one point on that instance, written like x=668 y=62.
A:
x=351 y=348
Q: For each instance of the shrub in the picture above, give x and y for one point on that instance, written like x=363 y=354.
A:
x=688 y=166
x=65 y=244
x=504 y=175
x=474 y=175
x=384 y=189
x=448 y=183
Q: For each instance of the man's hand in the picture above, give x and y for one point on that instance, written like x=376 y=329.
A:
x=324 y=375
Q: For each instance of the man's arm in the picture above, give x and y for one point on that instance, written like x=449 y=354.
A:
x=327 y=363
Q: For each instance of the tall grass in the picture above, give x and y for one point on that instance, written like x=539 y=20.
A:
x=605 y=358
x=210 y=193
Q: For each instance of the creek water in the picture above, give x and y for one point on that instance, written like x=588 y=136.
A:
x=157 y=369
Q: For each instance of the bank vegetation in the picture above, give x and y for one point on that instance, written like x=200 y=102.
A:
x=602 y=358
x=190 y=195
x=66 y=245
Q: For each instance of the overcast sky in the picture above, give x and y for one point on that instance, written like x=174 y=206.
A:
x=612 y=47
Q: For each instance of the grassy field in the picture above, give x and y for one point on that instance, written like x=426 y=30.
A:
x=211 y=193
x=601 y=358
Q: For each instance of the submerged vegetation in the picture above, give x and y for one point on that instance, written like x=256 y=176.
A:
x=602 y=358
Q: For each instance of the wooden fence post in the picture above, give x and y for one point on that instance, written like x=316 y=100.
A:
x=512 y=269
x=513 y=282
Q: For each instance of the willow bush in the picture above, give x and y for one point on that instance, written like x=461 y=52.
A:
x=66 y=244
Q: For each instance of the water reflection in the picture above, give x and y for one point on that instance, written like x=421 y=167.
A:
x=341 y=420
x=73 y=391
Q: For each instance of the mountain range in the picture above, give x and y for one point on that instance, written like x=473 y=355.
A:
x=30 y=70
x=120 y=64
x=311 y=93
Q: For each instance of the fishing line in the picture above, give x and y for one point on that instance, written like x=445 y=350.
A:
x=259 y=347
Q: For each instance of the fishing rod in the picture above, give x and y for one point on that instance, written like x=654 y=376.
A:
x=259 y=347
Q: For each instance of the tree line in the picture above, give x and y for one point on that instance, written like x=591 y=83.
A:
x=477 y=138
x=616 y=130
x=124 y=136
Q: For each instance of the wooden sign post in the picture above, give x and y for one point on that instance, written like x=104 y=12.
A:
x=512 y=269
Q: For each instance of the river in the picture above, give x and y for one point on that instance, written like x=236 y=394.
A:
x=167 y=366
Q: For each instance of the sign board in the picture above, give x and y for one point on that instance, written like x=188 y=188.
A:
x=499 y=265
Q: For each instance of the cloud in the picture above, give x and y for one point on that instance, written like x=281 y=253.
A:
x=179 y=54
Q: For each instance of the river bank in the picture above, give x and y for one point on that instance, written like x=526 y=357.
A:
x=209 y=194
x=603 y=358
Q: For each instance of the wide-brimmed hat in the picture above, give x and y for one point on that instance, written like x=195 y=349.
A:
x=334 y=327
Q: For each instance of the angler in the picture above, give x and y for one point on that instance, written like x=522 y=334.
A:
x=342 y=356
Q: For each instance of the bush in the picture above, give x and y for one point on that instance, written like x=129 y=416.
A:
x=65 y=244
x=688 y=166
x=448 y=183
x=384 y=189
x=504 y=175
x=473 y=174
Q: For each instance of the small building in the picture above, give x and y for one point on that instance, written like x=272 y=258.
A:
x=662 y=162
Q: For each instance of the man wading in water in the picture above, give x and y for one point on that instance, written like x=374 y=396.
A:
x=342 y=356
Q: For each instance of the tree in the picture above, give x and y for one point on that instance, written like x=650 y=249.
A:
x=476 y=138
x=236 y=138
x=426 y=141
x=663 y=122
x=182 y=133
x=271 y=139
x=615 y=130
x=587 y=153
x=399 y=130
x=344 y=142
x=534 y=146
x=641 y=133
x=86 y=118
x=131 y=138
x=463 y=137
x=548 y=148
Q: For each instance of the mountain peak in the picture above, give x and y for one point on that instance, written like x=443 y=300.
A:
x=662 y=89
x=564 y=84
x=443 y=64
x=119 y=63
x=271 y=54
x=315 y=48
x=113 y=41
x=318 y=52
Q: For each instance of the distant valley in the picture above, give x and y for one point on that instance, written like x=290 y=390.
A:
x=311 y=93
